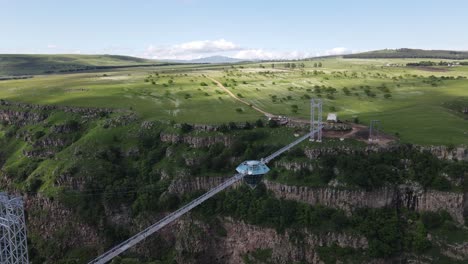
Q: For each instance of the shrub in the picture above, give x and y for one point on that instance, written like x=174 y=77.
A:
x=433 y=220
x=259 y=123
x=272 y=123
x=185 y=128
x=73 y=124
x=38 y=134
x=34 y=185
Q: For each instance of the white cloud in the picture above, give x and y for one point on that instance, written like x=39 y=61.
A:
x=207 y=46
x=337 y=51
x=260 y=54
x=204 y=48
x=190 y=50
x=52 y=46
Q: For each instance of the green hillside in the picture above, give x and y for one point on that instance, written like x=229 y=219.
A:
x=24 y=64
x=411 y=53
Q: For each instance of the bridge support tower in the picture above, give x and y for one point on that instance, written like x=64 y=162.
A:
x=13 y=240
x=374 y=130
x=316 y=120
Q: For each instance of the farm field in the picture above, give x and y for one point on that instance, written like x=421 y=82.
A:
x=421 y=105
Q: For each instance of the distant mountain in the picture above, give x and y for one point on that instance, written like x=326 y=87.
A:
x=211 y=59
x=30 y=64
x=411 y=53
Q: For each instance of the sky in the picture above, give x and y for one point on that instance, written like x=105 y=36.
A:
x=253 y=29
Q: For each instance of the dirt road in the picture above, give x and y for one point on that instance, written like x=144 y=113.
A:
x=220 y=85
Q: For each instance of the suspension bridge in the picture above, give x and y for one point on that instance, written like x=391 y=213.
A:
x=251 y=171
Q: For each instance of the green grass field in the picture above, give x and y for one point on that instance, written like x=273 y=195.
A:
x=420 y=108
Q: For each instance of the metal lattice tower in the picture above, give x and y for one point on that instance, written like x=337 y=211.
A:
x=374 y=130
x=13 y=240
x=316 y=120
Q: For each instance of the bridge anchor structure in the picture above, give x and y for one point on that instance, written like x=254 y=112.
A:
x=251 y=171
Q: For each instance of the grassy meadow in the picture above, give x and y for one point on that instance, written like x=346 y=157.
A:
x=421 y=105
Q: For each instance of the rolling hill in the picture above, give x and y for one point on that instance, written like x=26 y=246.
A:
x=410 y=53
x=25 y=64
x=211 y=59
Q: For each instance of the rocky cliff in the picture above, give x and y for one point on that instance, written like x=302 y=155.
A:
x=348 y=200
x=196 y=141
x=241 y=239
x=56 y=226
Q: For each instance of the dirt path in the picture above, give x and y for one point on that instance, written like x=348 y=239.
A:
x=220 y=85
x=355 y=128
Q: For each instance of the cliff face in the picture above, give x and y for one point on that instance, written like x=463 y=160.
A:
x=28 y=108
x=294 y=165
x=241 y=239
x=444 y=152
x=348 y=200
x=196 y=141
x=20 y=117
x=183 y=185
x=55 y=225
x=441 y=152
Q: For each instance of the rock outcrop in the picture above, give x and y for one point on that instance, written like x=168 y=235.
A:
x=441 y=152
x=17 y=117
x=241 y=239
x=348 y=199
x=196 y=141
x=294 y=165
x=183 y=185
x=22 y=113
x=54 y=223
x=448 y=153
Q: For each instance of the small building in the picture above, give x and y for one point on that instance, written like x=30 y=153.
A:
x=332 y=118
x=280 y=120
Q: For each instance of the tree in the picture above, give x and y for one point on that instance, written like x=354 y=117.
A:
x=259 y=123
x=272 y=123
x=319 y=64
x=186 y=128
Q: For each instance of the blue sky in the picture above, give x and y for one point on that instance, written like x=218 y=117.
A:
x=185 y=29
